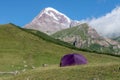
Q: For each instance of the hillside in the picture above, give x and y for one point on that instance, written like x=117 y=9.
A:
x=21 y=50
x=49 y=38
x=98 y=71
x=117 y=39
x=85 y=37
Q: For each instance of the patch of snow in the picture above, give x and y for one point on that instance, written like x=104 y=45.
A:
x=51 y=14
x=52 y=9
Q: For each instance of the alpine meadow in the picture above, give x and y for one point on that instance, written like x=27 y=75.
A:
x=25 y=52
x=53 y=46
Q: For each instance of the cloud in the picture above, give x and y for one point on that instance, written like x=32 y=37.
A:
x=108 y=25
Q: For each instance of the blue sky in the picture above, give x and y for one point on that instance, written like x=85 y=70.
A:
x=21 y=12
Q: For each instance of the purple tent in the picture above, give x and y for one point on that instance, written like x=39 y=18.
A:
x=73 y=59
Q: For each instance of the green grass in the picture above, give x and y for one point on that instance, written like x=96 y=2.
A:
x=19 y=47
x=108 y=71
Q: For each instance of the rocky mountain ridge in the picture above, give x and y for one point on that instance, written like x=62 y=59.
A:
x=85 y=37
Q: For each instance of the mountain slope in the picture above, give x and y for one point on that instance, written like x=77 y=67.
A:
x=50 y=21
x=87 y=38
x=49 y=38
x=116 y=39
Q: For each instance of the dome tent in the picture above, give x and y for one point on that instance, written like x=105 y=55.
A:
x=73 y=59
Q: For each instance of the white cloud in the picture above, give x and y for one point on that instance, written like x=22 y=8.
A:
x=109 y=24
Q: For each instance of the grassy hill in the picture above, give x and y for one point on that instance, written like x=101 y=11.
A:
x=19 y=48
x=22 y=50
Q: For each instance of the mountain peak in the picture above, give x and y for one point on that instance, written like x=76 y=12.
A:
x=50 y=21
x=51 y=9
x=54 y=13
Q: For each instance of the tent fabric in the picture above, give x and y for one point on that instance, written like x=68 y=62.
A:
x=72 y=59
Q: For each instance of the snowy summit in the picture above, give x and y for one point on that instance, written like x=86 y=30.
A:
x=50 y=21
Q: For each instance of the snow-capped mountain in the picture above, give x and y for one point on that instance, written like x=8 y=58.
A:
x=50 y=21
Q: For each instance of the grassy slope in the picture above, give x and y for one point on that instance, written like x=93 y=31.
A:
x=108 y=71
x=19 y=48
